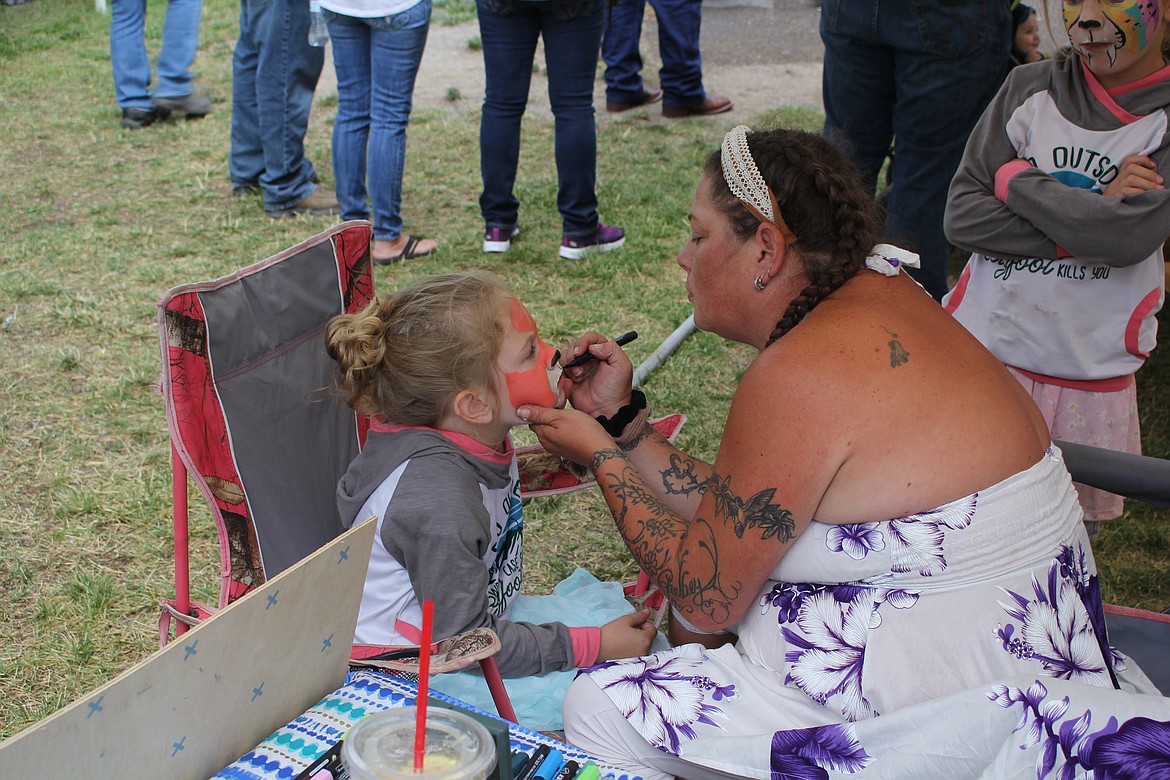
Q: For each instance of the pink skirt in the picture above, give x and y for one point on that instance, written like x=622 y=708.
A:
x=1108 y=420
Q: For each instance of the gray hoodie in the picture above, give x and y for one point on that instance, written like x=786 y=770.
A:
x=449 y=530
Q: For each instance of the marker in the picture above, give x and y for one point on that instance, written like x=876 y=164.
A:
x=529 y=770
x=519 y=761
x=568 y=771
x=550 y=766
x=586 y=356
x=588 y=772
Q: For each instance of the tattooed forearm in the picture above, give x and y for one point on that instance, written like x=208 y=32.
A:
x=601 y=456
x=680 y=477
x=647 y=432
x=680 y=554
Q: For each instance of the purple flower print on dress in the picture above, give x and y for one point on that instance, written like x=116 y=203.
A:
x=856 y=540
x=1057 y=629
x=830 y=652
x=788 y=598
x=1137 y=750
x=916 y=541
x=806 y=754
x=661 y=695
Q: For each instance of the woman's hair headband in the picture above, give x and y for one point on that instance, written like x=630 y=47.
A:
x=745 y=182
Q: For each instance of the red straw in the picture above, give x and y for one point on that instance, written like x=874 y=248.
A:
x=424 y=672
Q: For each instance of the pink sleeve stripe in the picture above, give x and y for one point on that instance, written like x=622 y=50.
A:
x=1005 y=174
x=1105 y=98
x=586 y=645
x=1149 y=303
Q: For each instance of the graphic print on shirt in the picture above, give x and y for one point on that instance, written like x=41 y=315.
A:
x=506 y=570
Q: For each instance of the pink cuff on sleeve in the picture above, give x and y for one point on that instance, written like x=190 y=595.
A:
x=586 y=645
x=1005 y=174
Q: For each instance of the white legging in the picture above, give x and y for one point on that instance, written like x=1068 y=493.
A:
x=595 y=725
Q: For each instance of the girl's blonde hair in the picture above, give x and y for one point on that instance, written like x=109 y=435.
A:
x=406 y=355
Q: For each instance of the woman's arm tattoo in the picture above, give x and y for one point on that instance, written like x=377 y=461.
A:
x=682 y=555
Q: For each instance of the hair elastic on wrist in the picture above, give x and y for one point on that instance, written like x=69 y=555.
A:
x=622 y=417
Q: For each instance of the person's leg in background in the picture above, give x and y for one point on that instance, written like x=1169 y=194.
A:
x=131 y=64
x=176 y=86
x=246 y=159
x=397 y=50
x=570 y=49
x=857 y=86
x=624 y=88
x=509 y=30
x=945 y=81
x=681 y=76
x=352 y=41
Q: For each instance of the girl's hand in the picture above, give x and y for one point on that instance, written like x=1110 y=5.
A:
x=566 y=432
x=1136 y=175
x=629 y=636
x=601 y=386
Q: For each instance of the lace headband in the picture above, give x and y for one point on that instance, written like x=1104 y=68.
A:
x=745 y=182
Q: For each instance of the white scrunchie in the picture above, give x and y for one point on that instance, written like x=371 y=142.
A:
x=888 y=259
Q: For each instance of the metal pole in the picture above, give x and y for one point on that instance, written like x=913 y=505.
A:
x=665 y=350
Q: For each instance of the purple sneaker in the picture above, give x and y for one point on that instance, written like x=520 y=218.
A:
x=605 y=239
x=497 y=239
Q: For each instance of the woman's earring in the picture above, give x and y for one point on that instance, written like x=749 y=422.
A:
x=760 y=284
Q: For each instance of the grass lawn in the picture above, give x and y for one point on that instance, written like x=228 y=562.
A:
x=98 y=223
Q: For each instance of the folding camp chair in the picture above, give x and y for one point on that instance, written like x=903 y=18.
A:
x=1139 y=633
x=252 y=421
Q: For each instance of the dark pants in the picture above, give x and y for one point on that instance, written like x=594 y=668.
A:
x=509 y=30
x=921 y=72
x=681 y=77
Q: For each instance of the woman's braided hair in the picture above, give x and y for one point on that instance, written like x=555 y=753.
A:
x=836 y=221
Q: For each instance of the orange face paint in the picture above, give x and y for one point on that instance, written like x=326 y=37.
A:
x=536 y=385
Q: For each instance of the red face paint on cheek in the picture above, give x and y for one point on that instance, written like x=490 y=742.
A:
x=537 y=385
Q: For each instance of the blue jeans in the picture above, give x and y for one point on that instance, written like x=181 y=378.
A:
x=130 y=61
x=921 y=72
x=509 y=30
x=376 y=61
x=681 y=76
x=274 y=74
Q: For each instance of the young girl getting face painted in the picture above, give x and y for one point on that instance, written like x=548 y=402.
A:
x=440 y=366
x=1120 y=42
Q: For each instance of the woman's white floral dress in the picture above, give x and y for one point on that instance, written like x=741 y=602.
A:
x=967 y=641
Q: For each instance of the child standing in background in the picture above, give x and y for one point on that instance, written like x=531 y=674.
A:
x=1061 y=200
x=440 y=367
x=1025 y=35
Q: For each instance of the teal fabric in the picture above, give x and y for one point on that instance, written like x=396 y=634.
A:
x=578 y=600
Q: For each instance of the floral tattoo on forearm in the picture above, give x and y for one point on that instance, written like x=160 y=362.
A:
x=683 y=555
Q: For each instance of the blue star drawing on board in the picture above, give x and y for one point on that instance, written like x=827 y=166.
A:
x=272 y=600
x=258 y=692
x=94 y=706
x=190 y=650
x=178 y=746
x=327 y=643
x=344 y=555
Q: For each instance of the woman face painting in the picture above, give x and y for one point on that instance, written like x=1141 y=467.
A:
x=1120 y=41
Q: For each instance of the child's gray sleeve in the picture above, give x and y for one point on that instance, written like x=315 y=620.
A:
x=441 y=536
x=975 y=219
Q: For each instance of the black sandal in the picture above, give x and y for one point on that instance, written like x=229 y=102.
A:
x=408 y=252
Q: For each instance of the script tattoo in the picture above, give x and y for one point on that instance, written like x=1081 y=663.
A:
x=682 y=555
x=898 y=355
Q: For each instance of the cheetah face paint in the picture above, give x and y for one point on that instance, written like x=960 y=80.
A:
x=1112 y=36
